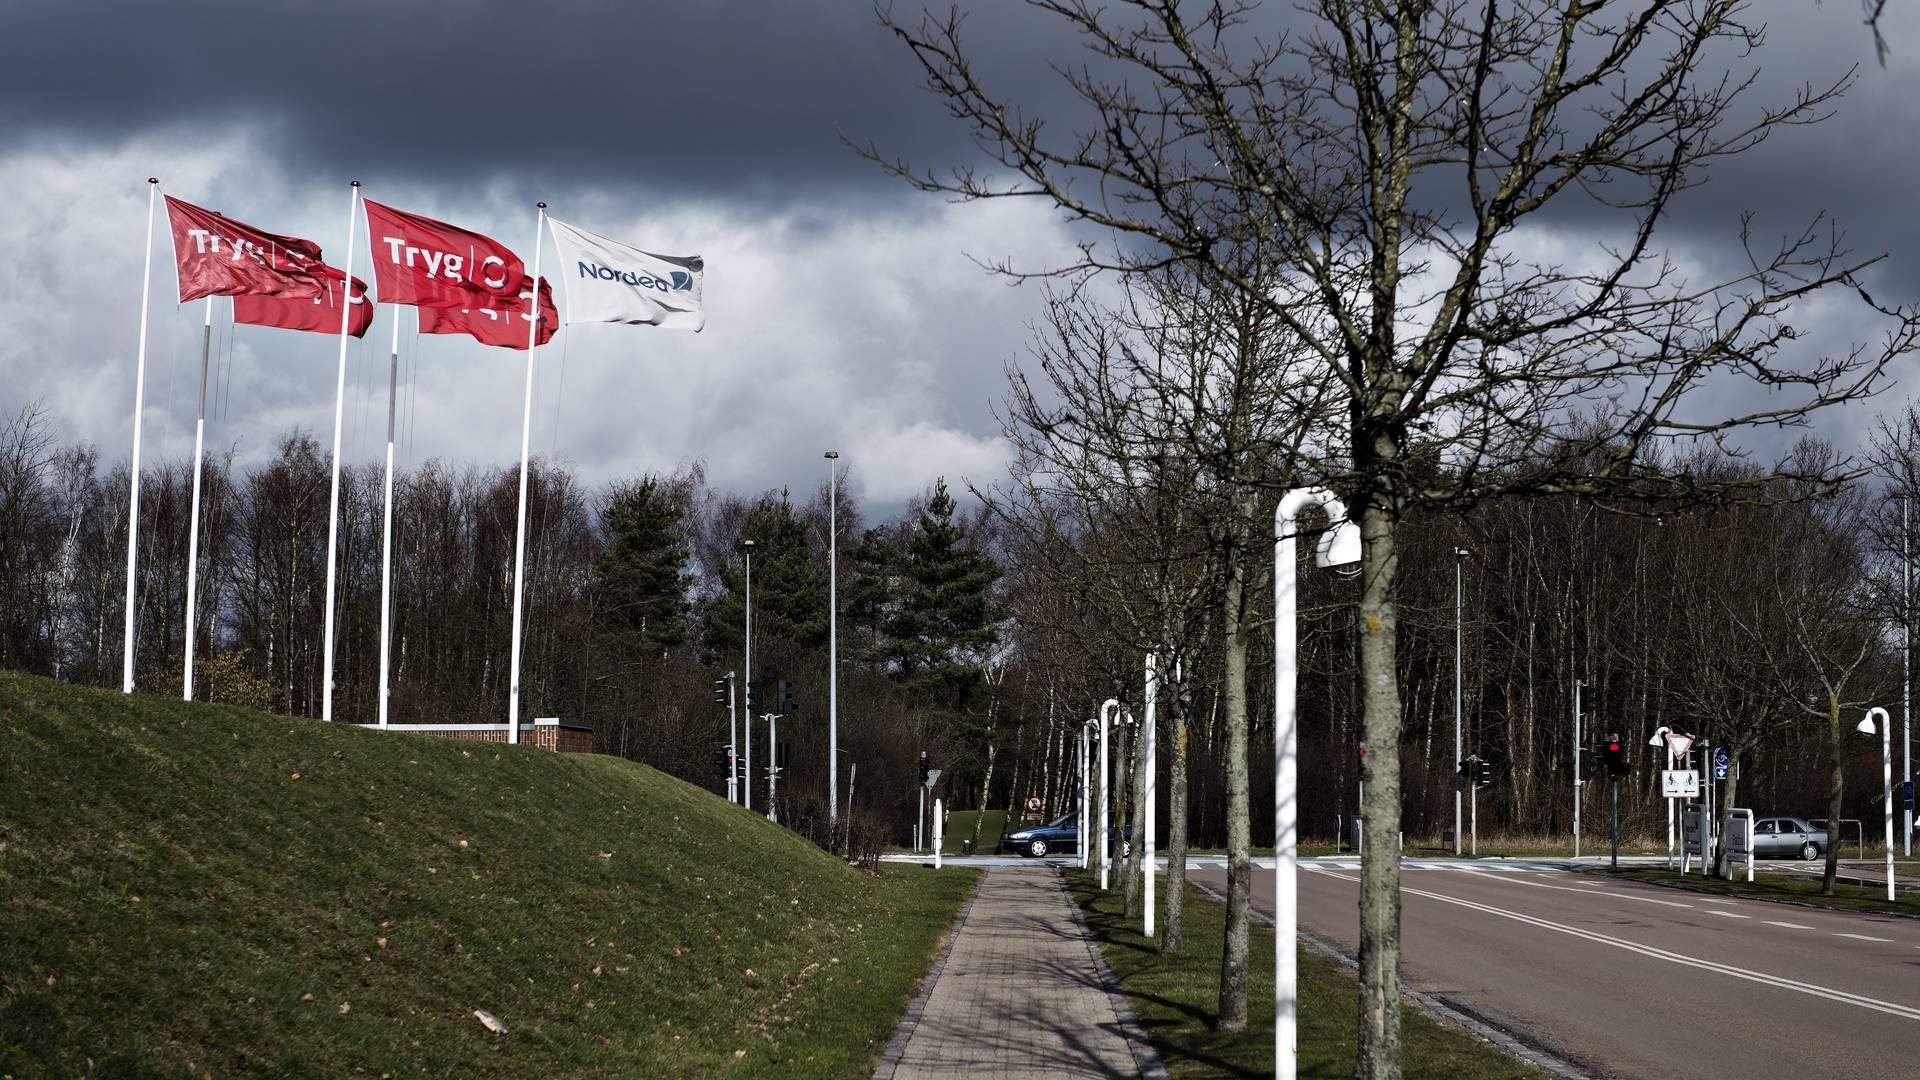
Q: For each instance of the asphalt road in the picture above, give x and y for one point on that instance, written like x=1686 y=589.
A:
x=1635 y=980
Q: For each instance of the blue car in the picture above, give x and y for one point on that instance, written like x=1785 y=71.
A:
x=1061 y=836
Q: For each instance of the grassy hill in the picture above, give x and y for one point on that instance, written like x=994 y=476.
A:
x=198 y=890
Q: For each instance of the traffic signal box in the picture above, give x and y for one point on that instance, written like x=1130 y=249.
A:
x=1613 y=753
x=719 y=691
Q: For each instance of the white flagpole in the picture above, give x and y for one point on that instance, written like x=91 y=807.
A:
x=386 y=523
x=520 y=526
x=333 y=506
x=139 y=406
x=193 y=527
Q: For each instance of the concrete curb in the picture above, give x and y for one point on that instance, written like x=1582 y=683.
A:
x=1443 y=1011
x=897 y=1046
x=1146 y=1060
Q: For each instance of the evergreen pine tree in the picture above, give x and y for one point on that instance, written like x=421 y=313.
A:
x=640 y=580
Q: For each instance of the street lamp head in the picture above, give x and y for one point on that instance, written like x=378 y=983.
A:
x=1340 y=544
x=1659 y=736
x=832 y=455
x=1866 y=723
x=746 y=546
x=1461 y=553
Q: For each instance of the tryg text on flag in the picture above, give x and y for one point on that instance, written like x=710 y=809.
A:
x=497 y=322
x=428 y=263
x=320 y=314
x=609 y=282
x=218 y=256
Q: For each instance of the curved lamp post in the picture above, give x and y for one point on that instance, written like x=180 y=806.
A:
x=1886 y=779
x=1338 y=546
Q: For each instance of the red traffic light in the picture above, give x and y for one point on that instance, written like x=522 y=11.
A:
x=1613 y=747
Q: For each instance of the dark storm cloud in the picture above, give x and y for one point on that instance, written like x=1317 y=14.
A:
x=728 y=99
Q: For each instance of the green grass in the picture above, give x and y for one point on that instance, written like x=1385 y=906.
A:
x=193 y=889
x=1780 y=887
x=959 y=829
x=1175 y=998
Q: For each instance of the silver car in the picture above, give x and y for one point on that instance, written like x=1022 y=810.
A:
x=1788 y=838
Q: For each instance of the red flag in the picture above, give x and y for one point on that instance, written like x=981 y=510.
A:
x=321 y=314
x=500 y=322
x=428 y=263
x=218 y=256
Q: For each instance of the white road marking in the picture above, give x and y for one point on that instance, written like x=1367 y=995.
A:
x=1583 y=892
x=1810 y=989
x=1797 y=926
x=1863 y=937
x=1729 y=915
x=1716 y=900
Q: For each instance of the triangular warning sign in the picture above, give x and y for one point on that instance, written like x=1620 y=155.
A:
x=1678 y=745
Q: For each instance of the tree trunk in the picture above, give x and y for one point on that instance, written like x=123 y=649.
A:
x=1132 y=884
x=1173 y=928
x=1379 y=1049
x=1233 y=958
x=1835 y=749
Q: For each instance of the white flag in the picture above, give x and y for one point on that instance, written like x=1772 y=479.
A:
x=609 y=282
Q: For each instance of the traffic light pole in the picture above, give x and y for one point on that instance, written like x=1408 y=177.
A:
x=1474 y=821
x=1614 y=787
x=733 y=739
x=773 y=760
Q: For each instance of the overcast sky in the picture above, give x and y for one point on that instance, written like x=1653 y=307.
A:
x=844 y=309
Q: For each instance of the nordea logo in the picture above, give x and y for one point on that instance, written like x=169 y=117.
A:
x=681 y=281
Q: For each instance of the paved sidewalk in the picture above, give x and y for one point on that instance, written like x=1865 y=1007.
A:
x=1023 y=993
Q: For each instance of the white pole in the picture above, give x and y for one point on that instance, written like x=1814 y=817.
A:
x=920 y=819
x=773 y=760
x=1286 y=811
x=139 y=407
x=833 y=637
x=520 y=523
x=193 y=519
x=1577 y=684
x=1459 y=743
x=1086 y=803
x=1106 y=803
x=939 y=827
x=333 y=504
x=1906 y=674
x=386 y=515
x=1669 y=829
x=746 y=724
x=1886 y=788
x=1146 y=834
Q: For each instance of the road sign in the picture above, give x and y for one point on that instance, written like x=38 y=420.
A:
x=1720 y=769
x=1033 y=804
x=1678 y=745
x=1720 y=758
x=1680 y=783
x=933 y=777
x=1906 y=794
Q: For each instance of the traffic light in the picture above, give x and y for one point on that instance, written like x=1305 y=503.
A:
x=923 y=768
x=722 y=760
x=1614 y=753
x=719 y=691
x=753 y=698
x=1483 y=773
x=783 y=693
x=1363 y=765
x=783 y=755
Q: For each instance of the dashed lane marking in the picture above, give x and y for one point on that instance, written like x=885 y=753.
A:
x=1729 y=915
x=1863 y=937
x=1796 y=926
x=1810 y=989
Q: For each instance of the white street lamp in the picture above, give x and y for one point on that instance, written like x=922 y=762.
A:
x=1145 y=842
x=833 y=636
x=1338 y=546
x=746 y=729
x=1886 y=779
x=1086 y=794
